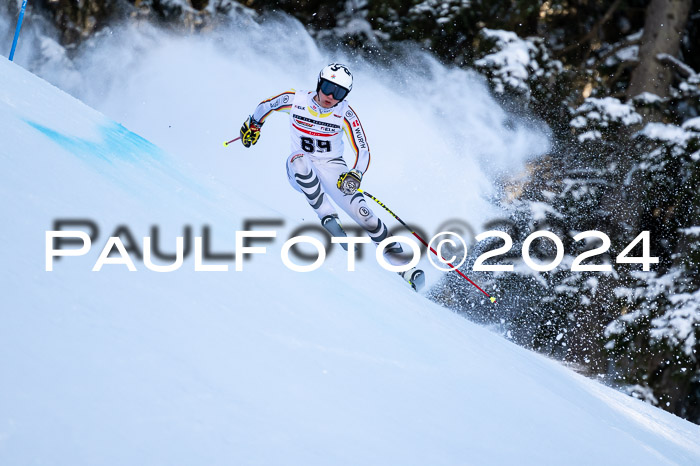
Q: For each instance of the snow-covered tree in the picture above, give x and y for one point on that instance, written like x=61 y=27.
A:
x=656 y=344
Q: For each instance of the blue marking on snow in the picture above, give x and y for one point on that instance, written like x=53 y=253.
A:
x=115 y=143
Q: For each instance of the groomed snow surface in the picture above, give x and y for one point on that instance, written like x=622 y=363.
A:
x=264 y=366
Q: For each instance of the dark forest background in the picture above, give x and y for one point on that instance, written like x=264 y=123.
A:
x=617 y=82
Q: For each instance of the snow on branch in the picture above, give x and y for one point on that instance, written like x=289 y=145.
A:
x=598 y=114
x=680 y=67
x=511 y=63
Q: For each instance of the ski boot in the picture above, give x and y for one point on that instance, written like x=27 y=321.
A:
x=415 y=277
x=332 y=225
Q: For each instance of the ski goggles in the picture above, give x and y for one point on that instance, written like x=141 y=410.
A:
x=332 y=89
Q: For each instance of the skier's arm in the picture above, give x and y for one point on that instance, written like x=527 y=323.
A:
x=358 y=141
x=250 y=131
x=277 y=103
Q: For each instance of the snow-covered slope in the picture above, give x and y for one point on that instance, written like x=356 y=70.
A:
x=263 y=366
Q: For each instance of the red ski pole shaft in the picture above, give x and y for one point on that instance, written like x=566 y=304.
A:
x=492 y=299
x=232 y=140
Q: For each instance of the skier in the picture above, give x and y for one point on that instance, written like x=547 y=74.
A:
x=316 y=167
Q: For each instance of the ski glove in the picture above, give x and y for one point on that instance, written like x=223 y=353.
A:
x=349 y=182
x=250 y=131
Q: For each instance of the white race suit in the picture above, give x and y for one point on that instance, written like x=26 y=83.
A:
x=316 y=160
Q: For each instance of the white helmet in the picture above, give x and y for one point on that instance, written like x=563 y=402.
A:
x=337 y=74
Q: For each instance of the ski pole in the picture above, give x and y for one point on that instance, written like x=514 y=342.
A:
x=491 y=298
x=232 y=140
x=19 y=26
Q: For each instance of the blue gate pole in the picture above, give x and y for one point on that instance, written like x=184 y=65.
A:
x=19 y=26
